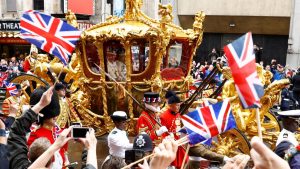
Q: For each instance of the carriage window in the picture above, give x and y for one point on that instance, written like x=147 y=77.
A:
x=115 y=61
x=175 y=53
x=92 y=57
x=172 y=63
x=139 y=56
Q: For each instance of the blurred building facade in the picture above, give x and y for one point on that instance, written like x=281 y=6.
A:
x=273 y=24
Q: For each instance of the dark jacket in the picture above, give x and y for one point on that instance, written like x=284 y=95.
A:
x=287 y=100
x=3 y=157
x=17 y=143
x=296 y=83
x=295 y=162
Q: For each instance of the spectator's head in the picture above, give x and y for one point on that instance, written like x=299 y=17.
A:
x=287 y=86
x=37 y=148
x=13 y=59
x=273 y=62
x=211 y=67
x=51 y=111
x=261 y=63
x=174 y=103
x=213 y=50
x=152 y=100
x=143 y=142
x=120 y=119
x=279 y=67
x=60 y=89
x=268 y=68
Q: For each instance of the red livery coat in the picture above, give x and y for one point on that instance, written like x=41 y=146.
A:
x=169 y=119
x=147 y=124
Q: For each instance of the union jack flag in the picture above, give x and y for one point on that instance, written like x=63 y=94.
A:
x=11 y=88
x=241 y=59
x=3 y=77
x=207 y=122
x=49 y=34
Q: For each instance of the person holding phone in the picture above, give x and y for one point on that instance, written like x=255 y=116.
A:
x=118 y=142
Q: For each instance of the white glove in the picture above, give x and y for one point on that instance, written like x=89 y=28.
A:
x=161 y=130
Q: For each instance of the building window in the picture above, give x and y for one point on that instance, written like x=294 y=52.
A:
x=11 y=5
x=38 y=4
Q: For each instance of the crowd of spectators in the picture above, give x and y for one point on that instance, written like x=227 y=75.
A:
x=11 y=66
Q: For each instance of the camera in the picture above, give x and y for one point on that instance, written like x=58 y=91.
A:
x=79 y=132
x=76 y=124
x=133 y=155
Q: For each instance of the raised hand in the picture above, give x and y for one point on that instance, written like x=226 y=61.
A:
x=63 y=138
x=237 y=162
x=264 y=158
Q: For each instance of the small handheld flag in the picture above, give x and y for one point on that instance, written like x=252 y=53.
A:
x=241 y=60
x=11 y=88
x=49 y=34
x=207 y=122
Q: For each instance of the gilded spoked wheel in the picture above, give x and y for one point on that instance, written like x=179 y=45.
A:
x=31 y=80
x=231 y=143
x=272 y=129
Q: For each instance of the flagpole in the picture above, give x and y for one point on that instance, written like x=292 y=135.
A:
x=185 y=156
x=258 y=124
x=57 y=80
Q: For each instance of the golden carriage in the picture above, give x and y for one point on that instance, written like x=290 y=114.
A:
x=142 y=54
x=149 y=55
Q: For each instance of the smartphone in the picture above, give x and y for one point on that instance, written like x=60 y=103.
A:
x=79 y=132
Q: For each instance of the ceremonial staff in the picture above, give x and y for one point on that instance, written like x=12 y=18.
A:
x=126 y=91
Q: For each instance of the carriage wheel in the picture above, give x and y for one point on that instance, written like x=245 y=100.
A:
x=231 y=143
x=34 y=82
x=272 y=128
